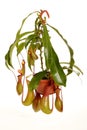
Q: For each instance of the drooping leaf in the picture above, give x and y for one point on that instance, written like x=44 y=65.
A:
x=52 y=61
x=47 y=47
x=19 y=35
x=35 y=80
x=20 y=47
x=23 y=21
x=8 y=56
x=29 y=39
x=56 y=70
x=70 y=49
x=74 y=66
x=25 y=34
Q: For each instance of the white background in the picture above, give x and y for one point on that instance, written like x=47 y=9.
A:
x=70 y=17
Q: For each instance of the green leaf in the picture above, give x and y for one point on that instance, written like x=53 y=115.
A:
x=56 y=70
x=70 y=49
x=52 y=61
x=35 y=80
x=47 y=47
x=19 y=35
x=30 y=38
x=8 y=56
x=23 y=21
x=24 y=34
x=76 y=67
x=20 y=47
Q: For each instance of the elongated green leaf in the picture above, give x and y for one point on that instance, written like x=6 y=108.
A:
x=25 y=33
x=7 y=61
x=70 y=49
x=8 y=56
x=52 y=61
x=76 y=67
x=20 y=47
x=23 y=21
x=35 y=80
x=30 y=38
x=56 y=70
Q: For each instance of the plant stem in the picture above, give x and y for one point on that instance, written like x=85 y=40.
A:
x=41 y=59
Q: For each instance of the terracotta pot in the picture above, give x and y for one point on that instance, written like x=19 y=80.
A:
x=46 y=87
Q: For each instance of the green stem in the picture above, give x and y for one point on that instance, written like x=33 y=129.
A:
x=41 y=59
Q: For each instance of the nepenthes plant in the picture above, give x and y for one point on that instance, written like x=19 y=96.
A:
x=34 y=48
